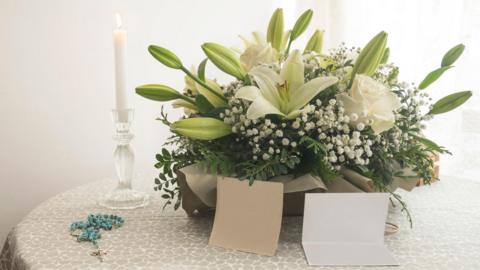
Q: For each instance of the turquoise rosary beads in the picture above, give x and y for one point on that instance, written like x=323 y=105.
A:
x=89 y=230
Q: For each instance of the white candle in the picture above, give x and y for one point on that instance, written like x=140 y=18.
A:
x=119 y=42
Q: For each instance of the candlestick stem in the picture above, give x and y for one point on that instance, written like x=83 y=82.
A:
x=124 y=197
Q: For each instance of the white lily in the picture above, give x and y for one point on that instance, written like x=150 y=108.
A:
x=258 y=51
x=284 y=94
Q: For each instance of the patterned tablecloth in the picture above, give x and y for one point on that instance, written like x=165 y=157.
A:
x=446 y=235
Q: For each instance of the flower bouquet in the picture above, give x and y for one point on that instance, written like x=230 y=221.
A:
x=339 y=121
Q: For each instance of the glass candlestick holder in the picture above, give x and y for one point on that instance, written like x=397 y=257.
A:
x=123 y=196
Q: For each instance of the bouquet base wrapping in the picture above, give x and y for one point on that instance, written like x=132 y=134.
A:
x=198 y=189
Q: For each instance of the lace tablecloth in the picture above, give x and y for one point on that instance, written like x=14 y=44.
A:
x=446 y=235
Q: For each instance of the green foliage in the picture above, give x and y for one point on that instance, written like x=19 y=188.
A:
x=203 y=105
x=452 y=55
x=168 y=163
x=450 y=102
x=433 y=76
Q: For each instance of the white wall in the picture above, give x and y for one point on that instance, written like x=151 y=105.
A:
x=56 y=75
x=56 y=85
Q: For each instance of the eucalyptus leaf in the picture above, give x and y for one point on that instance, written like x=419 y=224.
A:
x=201 y=69
x=433 y=76
x=301 y=24
x=452 y=55
x=450 y=102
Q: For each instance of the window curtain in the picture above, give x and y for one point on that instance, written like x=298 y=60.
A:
x=420 y=32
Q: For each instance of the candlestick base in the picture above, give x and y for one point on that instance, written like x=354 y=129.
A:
x=124 y=198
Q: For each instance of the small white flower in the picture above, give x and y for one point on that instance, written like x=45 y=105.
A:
x=271 y=151
x=296 y=125
x=271 y=142
x=285 y=141
x=265 y=156
x=353 y=117
x=293 y=144
x=332 y=102
x=279 y=133
x=360 y=126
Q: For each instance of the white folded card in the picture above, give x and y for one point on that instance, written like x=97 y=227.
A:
x=345 y=229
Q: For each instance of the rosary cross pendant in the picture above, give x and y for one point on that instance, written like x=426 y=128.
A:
x=99 y=253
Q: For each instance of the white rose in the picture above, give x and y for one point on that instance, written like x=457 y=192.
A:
x=371 y=100
x=257 y=52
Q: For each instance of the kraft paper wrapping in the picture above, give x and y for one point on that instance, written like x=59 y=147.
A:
x=199 y=189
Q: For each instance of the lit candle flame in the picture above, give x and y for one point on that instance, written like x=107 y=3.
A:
x=119 y=20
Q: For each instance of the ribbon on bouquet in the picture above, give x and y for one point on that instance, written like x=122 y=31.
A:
x=199 y=189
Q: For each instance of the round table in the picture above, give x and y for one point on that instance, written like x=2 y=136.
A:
x=445 y=235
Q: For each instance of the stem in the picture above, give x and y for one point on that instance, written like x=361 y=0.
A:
x=187 y=99
x=288 y=46
x=203 y=84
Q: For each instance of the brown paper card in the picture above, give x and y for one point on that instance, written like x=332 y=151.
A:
x=247 y=218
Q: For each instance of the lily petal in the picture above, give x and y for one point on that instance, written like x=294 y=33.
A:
x=180 y=103
x=267 y=81
x=308 y=91
x=261 y=107
x=214 y=99
x=293 y=70
x=249 y=93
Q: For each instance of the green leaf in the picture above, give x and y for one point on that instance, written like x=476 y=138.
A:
x=275 y=29
x=431 y=145
x=301 y=25
x=450 y=102
x=201 y=69
x=203 y=105
x=165 y=56
x=433 y=76
x=452 y=55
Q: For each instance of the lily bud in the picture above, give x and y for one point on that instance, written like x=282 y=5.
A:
x=371 y=55
x=201 y=128
x=385 y=56
x=275 y=29
x=301 y=24
x=158 y=92
x=224 y=59
x=165 y=57
x=315 y=43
